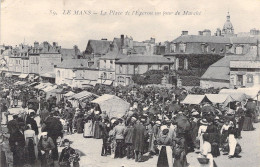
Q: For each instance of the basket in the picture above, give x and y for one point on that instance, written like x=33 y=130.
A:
x=203 y=160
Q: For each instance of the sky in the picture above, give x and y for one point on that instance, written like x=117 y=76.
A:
x=43 y=20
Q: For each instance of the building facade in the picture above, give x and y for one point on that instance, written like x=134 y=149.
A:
x=245 y=73
x=76 y=73
x=138 y=65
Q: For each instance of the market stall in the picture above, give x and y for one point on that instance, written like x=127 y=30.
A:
x=113 y=105
x=83 y=96
x=195 y=99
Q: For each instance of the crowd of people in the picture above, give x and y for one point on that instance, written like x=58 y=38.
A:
x=156 y=123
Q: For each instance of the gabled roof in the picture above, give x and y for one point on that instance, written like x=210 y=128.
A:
x=98 y=46
x=221 y=69
x=113 y=55
x=67 y=53
x=73 y=64
x=144 y=59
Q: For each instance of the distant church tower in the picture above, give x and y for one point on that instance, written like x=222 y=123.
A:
x=228 y=29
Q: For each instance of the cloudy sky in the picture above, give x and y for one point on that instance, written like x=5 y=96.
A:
x=35 y=20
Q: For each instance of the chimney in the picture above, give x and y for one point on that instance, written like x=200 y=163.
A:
x=122 y=41
x=200 y=33
x=54 y=44
x=104 y=39
x=184 y=33
x=36 y=44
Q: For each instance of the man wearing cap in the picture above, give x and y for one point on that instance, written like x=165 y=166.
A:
x=138 y=140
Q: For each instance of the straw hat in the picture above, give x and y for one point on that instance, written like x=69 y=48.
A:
x=204 y=122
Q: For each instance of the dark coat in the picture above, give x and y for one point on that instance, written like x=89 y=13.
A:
x=33 y=124
x=139 y=137
x=129 y=134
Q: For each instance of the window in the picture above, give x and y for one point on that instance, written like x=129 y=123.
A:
x=182 y=47
x=58 y=73
x=120 y=69
x=173 y=48
x=149 y=67
x=249 y=78
x=203 y=48
x=239 y=50
x=136 y=69
x=111 y=64
x=105 y=63
x=111 y=76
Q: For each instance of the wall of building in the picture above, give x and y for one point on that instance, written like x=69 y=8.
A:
x=208 y=84
x=34 y=64
x=47 y=62
x=25 y=66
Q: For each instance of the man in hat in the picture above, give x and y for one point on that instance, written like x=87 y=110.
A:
x=46 y=145
x=12 y=125
x=54 y=129
x=119 y=136
x=67 y=155
x=17 y=144
x=138 y=140
x=30 y=120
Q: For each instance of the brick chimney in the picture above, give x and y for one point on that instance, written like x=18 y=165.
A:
x=184 y=33
x=122 y=41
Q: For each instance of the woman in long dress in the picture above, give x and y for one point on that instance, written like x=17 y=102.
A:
x=206 y=152
x=31 y=141
x=248 y=121
x=88 y=127
x=224 y=132
x=165 y=156
x=97 y=130
x=213 y=138
x=202 y=129
x=232 y=142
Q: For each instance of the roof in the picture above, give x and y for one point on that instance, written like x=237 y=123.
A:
x=195 y=99
x=201 y=39
x=98 y=46
x=113 y=55
x=220 y=70
x=243 y=40
x=145 y=59
x=67 y=53
x=73 y=63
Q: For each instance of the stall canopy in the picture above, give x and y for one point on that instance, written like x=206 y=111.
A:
x=235 y=94
x=33 y=84
x=218 y=98
x=16 y=83
x=252 y=92
x=70 y=93
x=23 y=76
x=113 y=105
x=82 y=95
x=49 y=88
x=195 y=99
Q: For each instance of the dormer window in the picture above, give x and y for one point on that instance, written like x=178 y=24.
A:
x=213 y=50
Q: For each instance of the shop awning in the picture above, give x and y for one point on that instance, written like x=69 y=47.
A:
x=23 y=76
x=195 y=99
x=33 y=84
x=93 y=83
x=107 y=82
x=48 y=75
x=70 y=93
x=49 y=88
x=81 y=95
x=16 y=74
x=7 y=75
